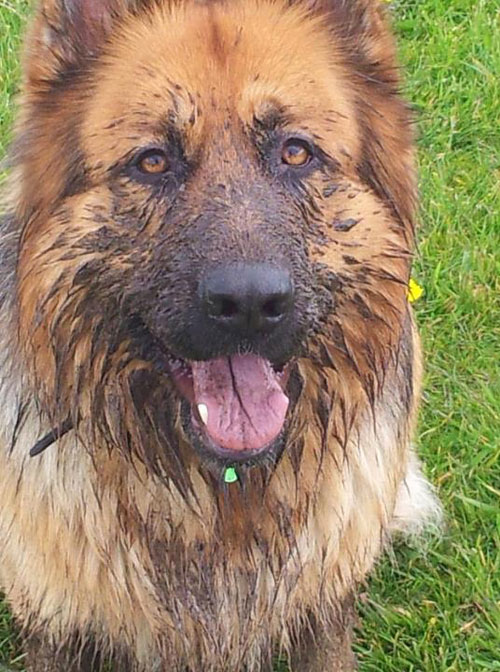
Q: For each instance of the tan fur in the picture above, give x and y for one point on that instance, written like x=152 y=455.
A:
x=94 y=542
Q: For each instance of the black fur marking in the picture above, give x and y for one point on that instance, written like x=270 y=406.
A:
x=350 y=261
x=344 y=224
x=53 y=436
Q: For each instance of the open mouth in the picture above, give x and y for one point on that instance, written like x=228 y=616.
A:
x=238 y=403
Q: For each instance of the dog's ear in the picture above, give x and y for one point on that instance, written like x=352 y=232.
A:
x=64 y=32
x=361 y=24
x=363 y=27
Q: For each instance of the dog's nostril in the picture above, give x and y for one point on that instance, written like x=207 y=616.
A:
x=274 y=308
x=247 y=298
x=223 y=307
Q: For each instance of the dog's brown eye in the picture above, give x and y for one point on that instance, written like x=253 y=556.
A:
x=296 y=153
x=153 y=162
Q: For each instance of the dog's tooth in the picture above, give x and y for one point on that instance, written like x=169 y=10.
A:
x=203 y=411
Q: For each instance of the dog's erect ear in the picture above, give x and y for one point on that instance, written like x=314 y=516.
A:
x=66 y=31
x=362 y=23
x=84 y=23
x=363 y=28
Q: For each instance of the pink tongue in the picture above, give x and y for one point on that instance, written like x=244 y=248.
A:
x=246 y=405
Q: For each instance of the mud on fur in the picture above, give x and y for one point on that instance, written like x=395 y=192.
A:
x=206 y=246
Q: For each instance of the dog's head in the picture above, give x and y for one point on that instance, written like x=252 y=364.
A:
x=215 y=197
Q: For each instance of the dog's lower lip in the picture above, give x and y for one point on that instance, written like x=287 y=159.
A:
x=228 y=456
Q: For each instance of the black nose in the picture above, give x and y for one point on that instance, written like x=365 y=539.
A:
x=247 y=299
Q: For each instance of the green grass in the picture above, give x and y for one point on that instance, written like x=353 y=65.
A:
x=438 y=610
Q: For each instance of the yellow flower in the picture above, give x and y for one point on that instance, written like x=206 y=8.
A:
x=414 y=291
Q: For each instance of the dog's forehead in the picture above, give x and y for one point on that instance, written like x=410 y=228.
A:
x=202 y=66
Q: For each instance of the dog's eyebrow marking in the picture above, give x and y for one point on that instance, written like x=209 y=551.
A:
x=273 y=117
x=168 y=129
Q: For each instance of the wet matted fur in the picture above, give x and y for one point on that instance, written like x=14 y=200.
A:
x=158 y=141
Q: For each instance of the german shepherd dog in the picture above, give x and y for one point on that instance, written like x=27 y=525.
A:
x=209 y=366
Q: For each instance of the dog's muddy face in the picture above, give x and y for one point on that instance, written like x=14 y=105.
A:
x=207 y=202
